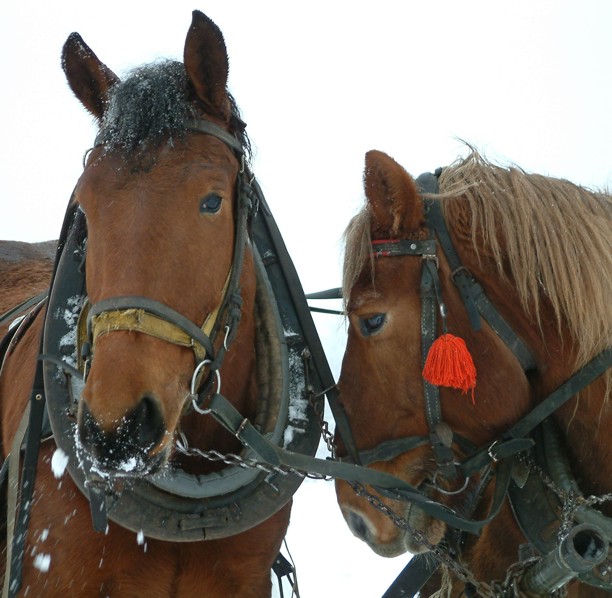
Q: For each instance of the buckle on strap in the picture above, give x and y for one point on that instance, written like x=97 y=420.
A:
x=497 y=451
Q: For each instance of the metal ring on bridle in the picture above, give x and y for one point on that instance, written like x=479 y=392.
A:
x=448 y=492
x=193 y=390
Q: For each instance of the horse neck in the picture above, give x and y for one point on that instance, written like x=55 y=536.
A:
x=584 y=419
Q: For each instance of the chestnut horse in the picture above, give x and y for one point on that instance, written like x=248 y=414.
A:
x=541 y=249
x=158 y=201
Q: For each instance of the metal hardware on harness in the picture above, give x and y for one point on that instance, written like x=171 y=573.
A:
x=448 y=492
x=194 y=384
x=491 y=453
x=579 y=552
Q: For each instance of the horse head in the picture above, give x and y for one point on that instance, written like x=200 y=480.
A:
x=381 y=382
x=159 y=195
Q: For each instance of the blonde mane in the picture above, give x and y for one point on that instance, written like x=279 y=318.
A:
x=551 y=238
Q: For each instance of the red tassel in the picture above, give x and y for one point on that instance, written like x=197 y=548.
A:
x=449 y=363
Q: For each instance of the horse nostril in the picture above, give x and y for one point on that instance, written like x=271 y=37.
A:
x=145 y=425
x=90 y=434
x=357 y=525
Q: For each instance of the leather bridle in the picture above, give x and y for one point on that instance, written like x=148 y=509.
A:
x=476 y=303
x=147 y=316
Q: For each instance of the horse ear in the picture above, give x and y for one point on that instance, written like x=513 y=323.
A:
x=207 y=65
x=89 y=79
x=393 y=198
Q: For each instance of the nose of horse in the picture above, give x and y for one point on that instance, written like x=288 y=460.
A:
x=126 y=447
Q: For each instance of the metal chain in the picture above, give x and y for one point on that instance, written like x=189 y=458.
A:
x=326 y=434
x=570 y=500
x=246 y=463
x=318 y=406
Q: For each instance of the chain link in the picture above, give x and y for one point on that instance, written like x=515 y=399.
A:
x=318 y=406
x=247 y=463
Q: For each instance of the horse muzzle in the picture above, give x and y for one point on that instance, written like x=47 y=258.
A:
x=132 y=448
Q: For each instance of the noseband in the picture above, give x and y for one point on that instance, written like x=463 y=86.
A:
x=147 y=316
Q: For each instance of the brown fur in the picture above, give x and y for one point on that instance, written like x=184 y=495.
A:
x=147 y=237
x=542 y=249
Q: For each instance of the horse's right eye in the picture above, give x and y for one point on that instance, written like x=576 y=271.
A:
x=211 y=203
x=371 y=324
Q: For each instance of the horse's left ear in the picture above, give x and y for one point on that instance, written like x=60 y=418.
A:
x=88 y=77
x=395 y=203
x=207 y=65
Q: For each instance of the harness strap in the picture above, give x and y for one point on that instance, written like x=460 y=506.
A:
x=25 y=305
x=116 y=313
x=389 y=485
x=388 y=450
x=440 y=434
x=574 y=384
x=210 y=128
x=28 y=477
x=12 y=494
x=474 y=298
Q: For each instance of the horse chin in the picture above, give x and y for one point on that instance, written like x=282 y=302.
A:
x=384 y=537
x=430 y=530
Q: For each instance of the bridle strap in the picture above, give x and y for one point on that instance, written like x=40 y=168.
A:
x=148 y=316
x=440 y=435
x=472 y=294
x=209 y=128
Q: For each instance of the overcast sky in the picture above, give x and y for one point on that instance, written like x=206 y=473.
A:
x=319 y=84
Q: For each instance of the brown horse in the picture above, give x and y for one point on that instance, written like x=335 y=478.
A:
x=542 y=250
x=159 y=201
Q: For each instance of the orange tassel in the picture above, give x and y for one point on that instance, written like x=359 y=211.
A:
x=449 y=363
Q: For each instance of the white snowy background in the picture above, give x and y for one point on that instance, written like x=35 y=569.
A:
x=319 y=84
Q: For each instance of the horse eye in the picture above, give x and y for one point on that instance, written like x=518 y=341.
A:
x=211 y=203
x=372 y=324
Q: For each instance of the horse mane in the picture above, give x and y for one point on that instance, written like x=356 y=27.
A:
x=548 y=236
x=152 y=103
